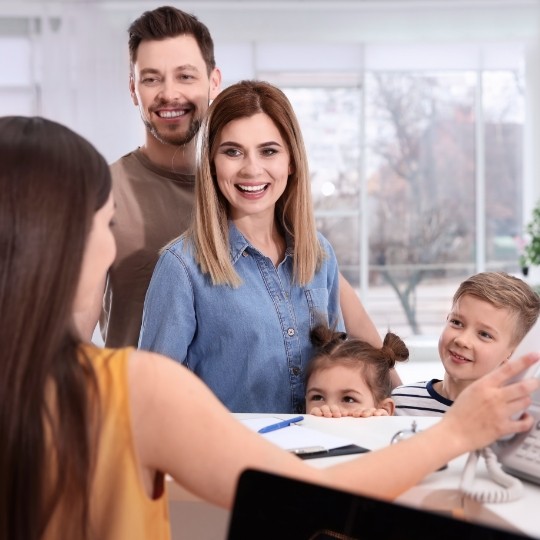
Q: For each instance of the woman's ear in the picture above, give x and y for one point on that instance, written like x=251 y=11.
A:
x=388 y=405
x=291 y=169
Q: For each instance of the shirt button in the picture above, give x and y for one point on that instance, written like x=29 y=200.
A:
x=296 y=371
x=290 y=332
x=245 y=253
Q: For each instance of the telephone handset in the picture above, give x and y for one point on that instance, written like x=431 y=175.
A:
x=516 y=455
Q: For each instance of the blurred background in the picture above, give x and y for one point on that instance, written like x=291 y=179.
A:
x=421 y=119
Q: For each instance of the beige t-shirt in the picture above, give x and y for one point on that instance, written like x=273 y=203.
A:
x=153 y=206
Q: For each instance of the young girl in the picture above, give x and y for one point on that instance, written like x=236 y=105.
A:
x=349 y=377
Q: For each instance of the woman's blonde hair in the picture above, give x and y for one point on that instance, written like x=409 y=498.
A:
x=209 y=231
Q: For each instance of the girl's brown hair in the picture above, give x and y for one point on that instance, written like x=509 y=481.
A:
x=374 y=363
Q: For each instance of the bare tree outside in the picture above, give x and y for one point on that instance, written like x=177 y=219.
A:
x=411 y=137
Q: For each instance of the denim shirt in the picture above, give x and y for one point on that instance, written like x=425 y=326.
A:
x=249 y=344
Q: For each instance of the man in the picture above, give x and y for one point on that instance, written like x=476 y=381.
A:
x=173 y=78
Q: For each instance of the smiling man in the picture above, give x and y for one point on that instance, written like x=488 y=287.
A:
x=173 y=77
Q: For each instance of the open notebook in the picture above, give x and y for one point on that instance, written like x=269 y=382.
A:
x=271 y=507
x=302 y=441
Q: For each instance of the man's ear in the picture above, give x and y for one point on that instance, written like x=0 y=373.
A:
x=388 y=405
x=132 y=91
x=215 y=83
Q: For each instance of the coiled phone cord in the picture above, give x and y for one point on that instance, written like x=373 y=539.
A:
x=510 y=488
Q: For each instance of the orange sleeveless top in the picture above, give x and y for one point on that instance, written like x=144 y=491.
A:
x=119 y=505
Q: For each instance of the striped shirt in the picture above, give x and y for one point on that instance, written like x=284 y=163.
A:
x=419 y=399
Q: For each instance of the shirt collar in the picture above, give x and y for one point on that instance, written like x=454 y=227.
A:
x=238 y=243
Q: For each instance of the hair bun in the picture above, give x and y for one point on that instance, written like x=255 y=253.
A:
x=395 y=349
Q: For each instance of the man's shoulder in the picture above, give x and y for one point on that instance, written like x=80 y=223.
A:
x=127 y=161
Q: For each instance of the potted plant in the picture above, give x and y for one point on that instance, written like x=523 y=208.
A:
x=531 y=251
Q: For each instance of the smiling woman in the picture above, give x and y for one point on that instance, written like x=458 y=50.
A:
x=251 y=260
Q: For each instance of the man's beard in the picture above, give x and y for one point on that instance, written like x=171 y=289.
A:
x=173 y=137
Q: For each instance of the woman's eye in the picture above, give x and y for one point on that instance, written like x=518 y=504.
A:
x=232 y=152
x=269 y=151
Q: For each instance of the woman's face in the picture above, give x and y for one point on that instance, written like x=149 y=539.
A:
x=252 y=164
x=99 y=254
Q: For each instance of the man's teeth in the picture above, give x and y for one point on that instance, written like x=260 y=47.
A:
x=171 y=114
x=252 y=188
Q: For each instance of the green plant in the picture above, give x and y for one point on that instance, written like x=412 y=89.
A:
x=531 y=251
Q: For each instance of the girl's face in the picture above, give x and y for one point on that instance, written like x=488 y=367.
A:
x=340 y=385
x=252 y=164
x=99 y=254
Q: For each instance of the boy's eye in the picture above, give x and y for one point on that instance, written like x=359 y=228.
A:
x=455 y=322
x=485 y=335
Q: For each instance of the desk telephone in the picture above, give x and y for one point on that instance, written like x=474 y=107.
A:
x=520 y=454
x=512 y=456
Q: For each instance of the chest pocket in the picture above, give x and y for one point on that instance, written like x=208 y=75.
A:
x=317 y=300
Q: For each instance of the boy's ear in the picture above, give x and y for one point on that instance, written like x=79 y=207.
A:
x=388 y=405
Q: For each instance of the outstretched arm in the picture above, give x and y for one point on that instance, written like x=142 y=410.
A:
x=180 y=428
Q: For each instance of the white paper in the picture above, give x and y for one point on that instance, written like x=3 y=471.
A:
x=296 y=436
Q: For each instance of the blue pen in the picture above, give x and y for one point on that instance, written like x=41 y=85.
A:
x=282 y=424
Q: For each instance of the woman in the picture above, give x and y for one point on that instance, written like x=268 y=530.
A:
x=235 y=298
x=85 y=432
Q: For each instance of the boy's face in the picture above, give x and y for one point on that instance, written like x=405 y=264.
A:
x=476 y=339
x=171 y=87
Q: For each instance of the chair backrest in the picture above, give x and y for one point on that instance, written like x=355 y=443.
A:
x=271 y=507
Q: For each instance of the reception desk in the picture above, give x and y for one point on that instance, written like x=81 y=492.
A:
x=192 y=518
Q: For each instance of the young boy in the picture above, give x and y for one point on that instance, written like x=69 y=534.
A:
x=350 y=377
x=491 y=313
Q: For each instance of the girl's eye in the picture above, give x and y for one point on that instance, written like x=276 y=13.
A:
x=485 y=335
x=349 y=399
x=455 y=322
x=316 y=397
